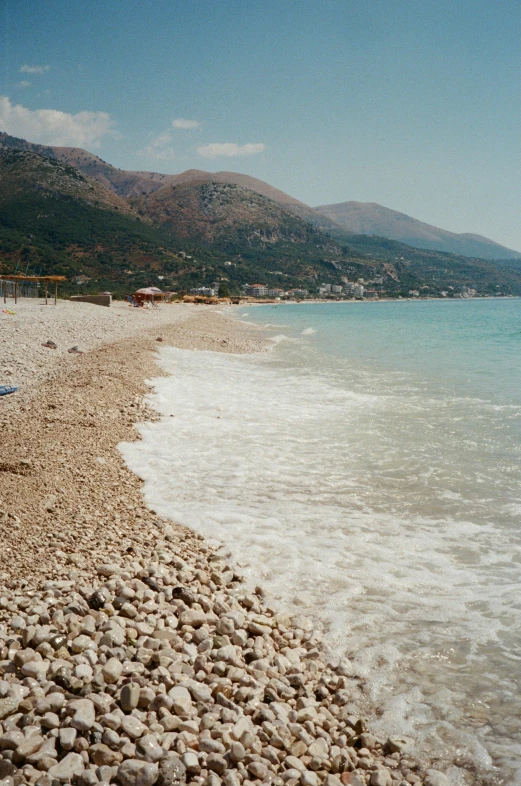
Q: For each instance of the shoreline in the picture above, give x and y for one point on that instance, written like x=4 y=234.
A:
x=73 y=520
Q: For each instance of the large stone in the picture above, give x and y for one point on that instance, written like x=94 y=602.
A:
x=84 y=714
x=309 y=778
x=70 y=766
x=53 y=702
x=192 y=617
x=35 y=668
x=191 y=762
x=133 y=727
x=318 y=748
x=67 y=737
x=237 y=752
x=82 y=643
x=182 y=700
x=101 y=754
x=436 y=778
x=216 y=763
x=149 y=748
x=112 y=670
x=28 y=746
x=11 y=740
x=258 y=770
x=114 y=637
x=381 y=777
x=134 y=772
x=129 y=696
x=172 y=772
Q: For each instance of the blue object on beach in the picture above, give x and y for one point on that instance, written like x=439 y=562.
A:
x=5 y=389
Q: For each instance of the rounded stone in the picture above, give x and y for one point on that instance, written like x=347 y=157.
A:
x=172 y=772
x=129 y=696
x=216 y=763
x=69 y=767
x=134 y=772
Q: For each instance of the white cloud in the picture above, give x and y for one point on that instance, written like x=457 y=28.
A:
x=230 y=149
x=27 y=69
x=180 y=122
x=52 y=127
x=158 y=148
x=24 y=83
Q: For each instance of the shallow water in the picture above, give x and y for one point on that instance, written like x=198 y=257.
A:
x=367 y=470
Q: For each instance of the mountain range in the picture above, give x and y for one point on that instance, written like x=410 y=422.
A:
x=369 y=218
x=67 y=210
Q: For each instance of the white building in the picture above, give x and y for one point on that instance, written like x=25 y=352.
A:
x=257 y=290
x=204 y=291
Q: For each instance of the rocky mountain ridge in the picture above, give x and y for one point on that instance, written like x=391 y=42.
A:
x=370 y=218
x=196 y=229
x=341 y=220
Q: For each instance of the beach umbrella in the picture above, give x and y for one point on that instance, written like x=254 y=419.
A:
x=149 y=291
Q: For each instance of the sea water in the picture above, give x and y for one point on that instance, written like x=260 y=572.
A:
x=367 y=471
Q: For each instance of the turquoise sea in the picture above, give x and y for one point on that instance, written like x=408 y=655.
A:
x=367 y=469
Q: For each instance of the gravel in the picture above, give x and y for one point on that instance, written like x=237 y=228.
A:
x=131 y=650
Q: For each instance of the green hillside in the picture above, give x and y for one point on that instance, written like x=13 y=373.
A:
x=56 y=219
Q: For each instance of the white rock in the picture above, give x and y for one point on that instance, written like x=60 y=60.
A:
x=133 y=726
x=70 y=766
x=112 y=670
x=67 y=737
x=381 y=777
x=149 y=747
x=436 y=778
x=193 y=617
x=35 y=668
x=182 y=700
x=81 y=643
x=84 y=714
x=134 y=772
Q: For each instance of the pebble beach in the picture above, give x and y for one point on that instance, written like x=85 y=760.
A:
x=132 y=651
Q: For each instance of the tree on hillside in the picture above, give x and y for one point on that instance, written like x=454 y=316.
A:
x=223 y=290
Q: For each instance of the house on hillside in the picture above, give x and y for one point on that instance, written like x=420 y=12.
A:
x=257 y=290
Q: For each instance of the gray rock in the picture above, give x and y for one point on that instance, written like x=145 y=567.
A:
x=88 y=778
x=172 y=772
x=381 y=777
x=129 y=696
x=134 y=772
x=216 y=763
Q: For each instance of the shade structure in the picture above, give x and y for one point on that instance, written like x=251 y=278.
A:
x=19 y=278
x=149 y=291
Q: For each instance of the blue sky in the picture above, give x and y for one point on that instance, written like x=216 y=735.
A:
x=414 y=104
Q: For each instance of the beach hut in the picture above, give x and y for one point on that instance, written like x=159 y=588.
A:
x=148 y=295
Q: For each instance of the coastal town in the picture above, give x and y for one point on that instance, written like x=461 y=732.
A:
x=349 y=290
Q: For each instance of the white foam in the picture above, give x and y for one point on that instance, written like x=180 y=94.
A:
x=359 y=508
x=308 y=331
